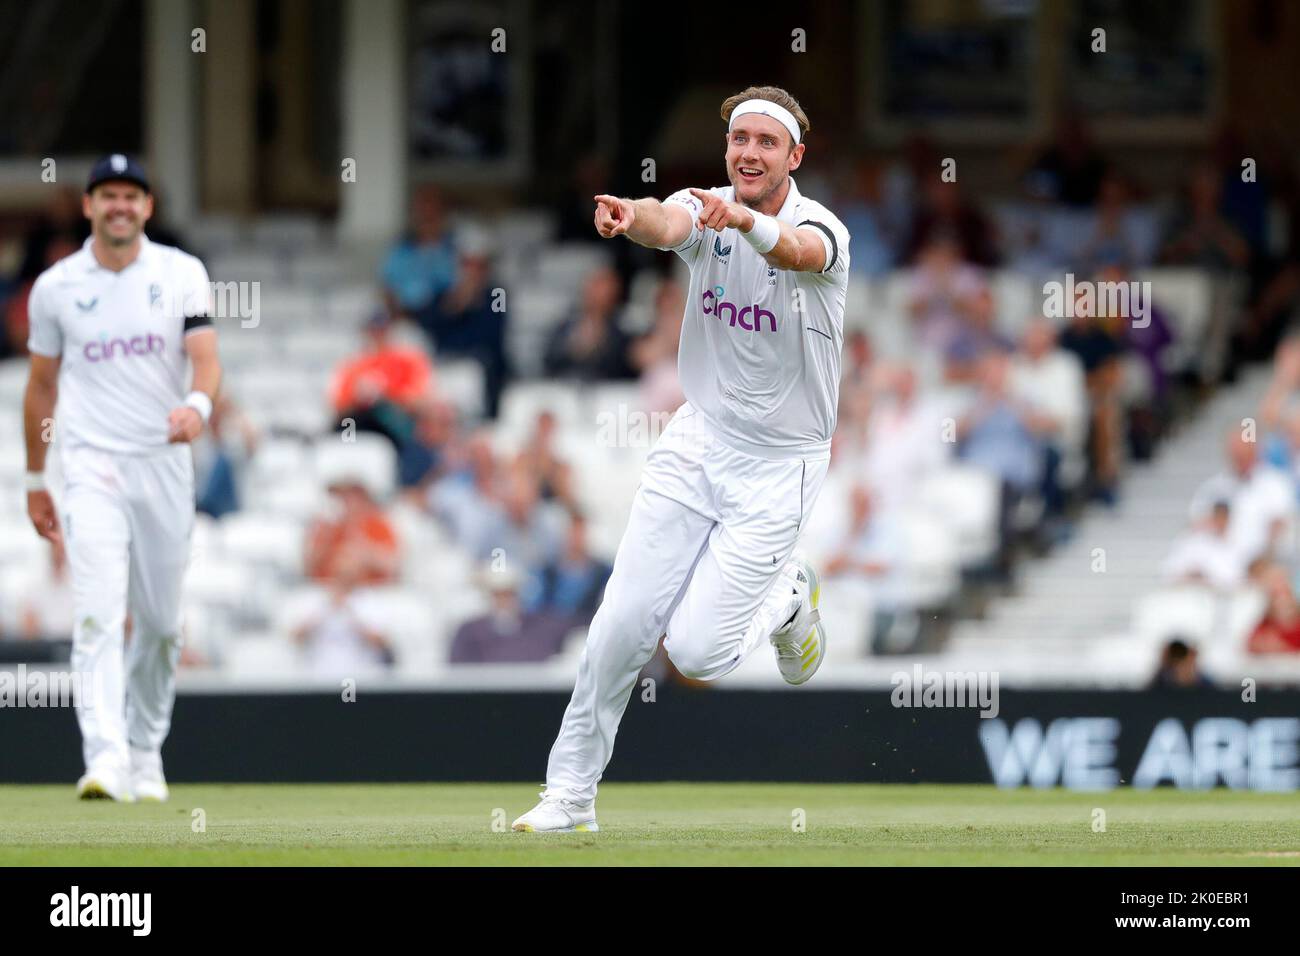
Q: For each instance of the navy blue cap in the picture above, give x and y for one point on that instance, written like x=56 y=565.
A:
x=118 y=167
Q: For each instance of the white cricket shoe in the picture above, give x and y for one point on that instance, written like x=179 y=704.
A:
x=147 y=780
x=800 y=643
x=555 y=814
x=103 y=783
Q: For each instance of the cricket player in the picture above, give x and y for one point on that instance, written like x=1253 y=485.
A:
x=113 y=327
x=708 y=557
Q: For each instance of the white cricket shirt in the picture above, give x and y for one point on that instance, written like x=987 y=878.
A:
x=759 y=357
x=120 y=337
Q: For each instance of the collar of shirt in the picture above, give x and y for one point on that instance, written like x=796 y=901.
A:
x=93 y=265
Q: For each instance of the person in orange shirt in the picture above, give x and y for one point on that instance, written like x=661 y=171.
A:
x=380 y=387
x=356 y=535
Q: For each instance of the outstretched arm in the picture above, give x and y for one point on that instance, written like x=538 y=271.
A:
x=647 y=222
x=799 y=249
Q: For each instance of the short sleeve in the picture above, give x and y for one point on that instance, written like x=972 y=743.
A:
x=833 y=236
x=694 y=207
x=196 y=292
x=45 y=336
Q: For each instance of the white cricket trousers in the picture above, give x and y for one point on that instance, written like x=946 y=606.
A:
x=126 y=524
x=704 y=559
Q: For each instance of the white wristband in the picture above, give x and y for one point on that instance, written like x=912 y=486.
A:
x=35 y=481
x=765 y=233
x=200 y=402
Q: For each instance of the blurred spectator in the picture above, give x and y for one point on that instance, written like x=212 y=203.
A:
x=1199 y=234
x=468 y=319
x=423 y=263
x=14 y=340
x=1051 y=381
x=343 y=633
x=465 y=497
x=1205 y=554
x=1070 y=169
x=655 y=353
x=1178 y=667
x=1279 y=631
x=220 y=453
x=518 y=524
x=508 y=634
x=1146 y=338
x=1099 y=352
x=875 y=244
x=1114 y=238
x=1000 y=435
x=381 y=387
x=539 y=459
x=1261 y=499
x=906 y=438
x=866 y=562
x=975 y=337
x=574 y=582
x=423 y=458
x=61 y=225
x=945 y=292
x=353 y=539
x=590 y=345
x=945 y=210
x=44 y=607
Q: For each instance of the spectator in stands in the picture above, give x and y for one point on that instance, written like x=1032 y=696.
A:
x=1099 y=352
x=380 y=388
x=1279 y=631
x=1279 y=425
x=866 y=562
x=945 y=211
x=14 y=340
x=538 y=457
x=1261 y=500
x=343 y=633
x=60 y=227
x=466 y=497
x=905 y=442
x=468 y=319
x=220 y=454
x=590 y=345
x=1114 y=237
x=859 y=382
x=518 y=524
x=1070 y=169
x=44 y=610
x=1205 y=554
x=874 y=245
x=508 y=634
x=1199 y=234
x=1001 y=435
x=424 y=458
x=1050 y=380
x=945 y=292
x=1179 y=667
x=422 y=264
x=353 y=540
x=1145 y=339
x=975 y=337
x=573 y=583
x=654 y=355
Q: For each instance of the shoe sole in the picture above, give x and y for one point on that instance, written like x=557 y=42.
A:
x=580 y=828
x=94 y=790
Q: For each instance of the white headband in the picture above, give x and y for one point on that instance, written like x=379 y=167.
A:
x=767 y=108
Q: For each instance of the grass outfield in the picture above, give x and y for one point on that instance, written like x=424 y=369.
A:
x=715 y=824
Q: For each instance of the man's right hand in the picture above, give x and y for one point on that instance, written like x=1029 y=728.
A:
x=40 y=508
x=614 y=216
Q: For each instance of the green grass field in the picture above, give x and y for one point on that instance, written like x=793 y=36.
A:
x=647 y=824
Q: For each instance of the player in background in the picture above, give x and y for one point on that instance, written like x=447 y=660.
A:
x=708 y=557
x=113 y=327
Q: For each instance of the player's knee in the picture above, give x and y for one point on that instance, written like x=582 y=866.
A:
x=694 y=662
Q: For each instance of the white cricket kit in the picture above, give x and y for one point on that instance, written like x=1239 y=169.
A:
x=728 y=486
x=127 y=506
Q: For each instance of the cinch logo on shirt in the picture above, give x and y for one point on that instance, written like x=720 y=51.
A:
x=734 y=315
x=102 y=350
